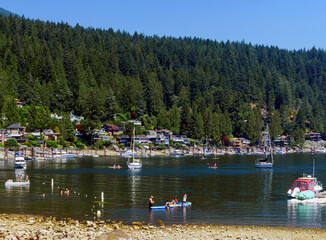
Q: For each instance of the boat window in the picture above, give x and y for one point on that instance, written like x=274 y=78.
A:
x=310 y=186
x=304 y=185
x=293 y=185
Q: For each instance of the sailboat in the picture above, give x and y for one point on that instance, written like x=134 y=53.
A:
x=266 y=162
x=134 y=163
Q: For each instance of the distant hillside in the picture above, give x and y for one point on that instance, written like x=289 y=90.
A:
x=4 y=12
x=192 y=86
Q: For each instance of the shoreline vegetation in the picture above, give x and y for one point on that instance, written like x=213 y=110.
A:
x=20 y=226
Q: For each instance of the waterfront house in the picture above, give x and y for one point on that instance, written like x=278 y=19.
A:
x=16 y=131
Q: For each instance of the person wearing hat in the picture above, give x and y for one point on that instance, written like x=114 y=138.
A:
x=151 y=202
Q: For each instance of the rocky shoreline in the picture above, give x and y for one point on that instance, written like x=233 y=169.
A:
x=15 y=226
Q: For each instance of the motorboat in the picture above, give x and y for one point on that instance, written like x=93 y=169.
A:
x=19 y=161
x=266 y=162
x=134 y=163
x=304 y=183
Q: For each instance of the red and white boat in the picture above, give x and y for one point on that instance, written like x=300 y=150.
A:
x=307 y=182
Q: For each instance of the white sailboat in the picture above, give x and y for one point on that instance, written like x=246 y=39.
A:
x=134 y=163
x=265 y=162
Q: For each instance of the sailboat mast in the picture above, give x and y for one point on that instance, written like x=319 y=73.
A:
x=133 y=144
x=270 y=144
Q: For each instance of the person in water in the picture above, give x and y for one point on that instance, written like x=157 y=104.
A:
x=167 y=204
x=175 y=201
x=184 y=200
x=67 y=192
x=151 y=202
x=9 y=180
x=61 y=192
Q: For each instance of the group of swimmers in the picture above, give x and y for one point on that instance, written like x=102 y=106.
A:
x=168 y=203
x=66 y=192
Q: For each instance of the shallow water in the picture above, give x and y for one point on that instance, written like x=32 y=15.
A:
x=235 y=193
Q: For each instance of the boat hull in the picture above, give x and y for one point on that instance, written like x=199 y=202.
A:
x=264 y=165
x=134 y=166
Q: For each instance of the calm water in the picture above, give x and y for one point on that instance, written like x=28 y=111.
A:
x=235 y=193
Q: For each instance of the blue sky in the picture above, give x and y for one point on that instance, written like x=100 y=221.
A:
x=289 y=24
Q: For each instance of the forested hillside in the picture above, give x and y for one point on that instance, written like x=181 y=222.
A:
x=190 y=85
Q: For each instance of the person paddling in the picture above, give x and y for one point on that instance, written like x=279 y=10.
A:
x=151 y=202
x=184 y=200
x=167 y=204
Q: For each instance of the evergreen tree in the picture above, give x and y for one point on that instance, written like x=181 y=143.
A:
x=10 y=111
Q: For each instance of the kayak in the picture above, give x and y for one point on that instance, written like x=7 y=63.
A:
x=173 y=205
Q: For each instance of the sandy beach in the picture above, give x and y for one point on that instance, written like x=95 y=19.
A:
x=15 y=226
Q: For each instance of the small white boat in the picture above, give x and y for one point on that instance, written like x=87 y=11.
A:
x=17 y=184
x=128 y=153
x=135 y=163
x=19 y=161
x=69 y=155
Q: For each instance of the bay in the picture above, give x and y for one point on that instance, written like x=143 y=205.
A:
x=236 y=193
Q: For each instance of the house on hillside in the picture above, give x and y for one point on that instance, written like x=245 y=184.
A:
x=19 y=103
x=16 y=131
x=49 y=134
x=75 y=118
x=313 y=136
x=111 y=129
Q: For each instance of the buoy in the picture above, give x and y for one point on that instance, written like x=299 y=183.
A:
x=98 y=213
x=52 y=182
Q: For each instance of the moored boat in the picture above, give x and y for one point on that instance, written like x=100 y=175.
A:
x=19 y=161
x=134 y=163
x=266 y=162
x=305 y=183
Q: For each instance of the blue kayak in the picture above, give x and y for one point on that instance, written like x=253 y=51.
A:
x=173 y=205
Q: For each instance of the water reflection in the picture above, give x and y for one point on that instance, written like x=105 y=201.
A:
x=267 y=180
x=310 y=214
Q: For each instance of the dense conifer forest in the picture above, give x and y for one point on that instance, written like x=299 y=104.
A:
x=193 y=86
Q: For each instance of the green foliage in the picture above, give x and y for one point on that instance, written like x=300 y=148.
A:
x=178 y=145
x=51 y=143
x=27 y=144
x=80 y=145
x=10 y=111
x=31 y=138
x=11 y=142
x=63 y=143
x=121 y=146
x=161 y=146
x=34 y=144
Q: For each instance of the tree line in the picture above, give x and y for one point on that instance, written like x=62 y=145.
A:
x=193 y=86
